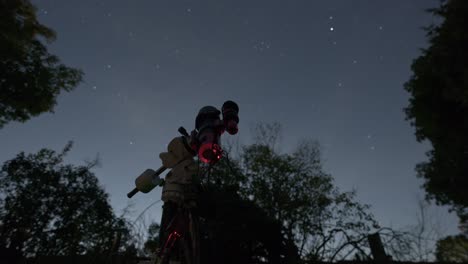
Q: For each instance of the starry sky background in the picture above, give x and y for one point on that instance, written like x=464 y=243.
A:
x=327 y=70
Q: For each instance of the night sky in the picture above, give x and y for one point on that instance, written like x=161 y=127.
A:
x=326 y=70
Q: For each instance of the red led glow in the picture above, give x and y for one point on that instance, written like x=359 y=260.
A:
x=171 y=241
x=210 y=152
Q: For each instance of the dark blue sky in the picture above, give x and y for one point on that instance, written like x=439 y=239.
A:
x=326 y=70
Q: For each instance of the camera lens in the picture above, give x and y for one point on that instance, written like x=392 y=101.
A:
x=231 y=127
x=230 y=112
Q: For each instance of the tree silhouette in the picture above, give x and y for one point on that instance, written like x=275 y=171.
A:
x=452 y=249
x=30 y=77
x=152 y=242
x=438 y=106
x=235 y=230
x=293 y=190
x=48 y=208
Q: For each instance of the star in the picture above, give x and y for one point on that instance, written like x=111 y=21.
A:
x=331 y=29
x=261 y=45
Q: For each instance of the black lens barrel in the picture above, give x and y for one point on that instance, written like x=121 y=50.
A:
x=230 y=112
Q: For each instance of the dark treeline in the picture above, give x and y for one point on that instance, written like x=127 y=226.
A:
x=259 y=205
x=438 y=109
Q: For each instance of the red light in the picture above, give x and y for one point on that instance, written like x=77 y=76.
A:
x=210 y=153
x=173 y=236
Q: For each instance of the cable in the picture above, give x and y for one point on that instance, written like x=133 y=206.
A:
x=146 y=209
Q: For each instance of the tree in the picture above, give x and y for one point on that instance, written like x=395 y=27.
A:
x=50 y=208
x=293 y=189
x=30 y=77
x=452 y=249
x=438 y=106
x=235 y=230
x=416 y=243
x=232 y=230
x=152 y=242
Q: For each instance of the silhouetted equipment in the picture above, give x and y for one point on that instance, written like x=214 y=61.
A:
x=203 y=141
x=230 y=117
x=209 y=128
x=147 y=181
x=377 y=249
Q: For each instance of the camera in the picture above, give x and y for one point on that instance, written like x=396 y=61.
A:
x=203 y=141
x=209 y=128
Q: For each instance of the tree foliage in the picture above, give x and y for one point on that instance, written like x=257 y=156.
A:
x=235 y=230
x=292 y=189
x=232 y=230
x=49 y=208
x=438 y=106
x=452 y=249
x=30 y=77
x=152 y=240
x=417 y=242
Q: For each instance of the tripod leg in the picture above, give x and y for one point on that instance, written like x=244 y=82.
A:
x=195 y=238
x=168 y=215
x=187 y=252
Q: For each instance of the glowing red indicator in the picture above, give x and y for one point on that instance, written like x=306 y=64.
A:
x=210 y=152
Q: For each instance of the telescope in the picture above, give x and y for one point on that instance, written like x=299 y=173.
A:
x=204 y=141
